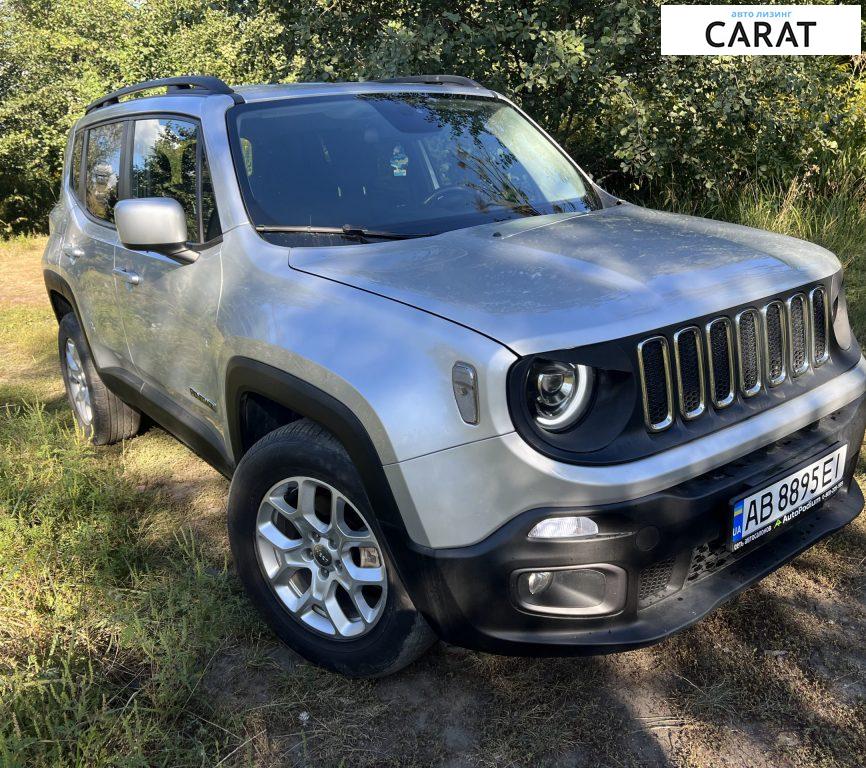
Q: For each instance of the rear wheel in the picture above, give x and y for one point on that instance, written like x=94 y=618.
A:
x=311 y=556
x=103 y=416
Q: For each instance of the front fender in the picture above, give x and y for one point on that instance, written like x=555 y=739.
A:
x=388 y=363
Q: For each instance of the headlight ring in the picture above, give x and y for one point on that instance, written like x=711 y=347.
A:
x=559 y=393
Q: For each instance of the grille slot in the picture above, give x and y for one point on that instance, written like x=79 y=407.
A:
x=655 y=379
x=720 y=359
x=798 y=335
x=774 y=343
x=749 y=351
x=820 y=326
x=690 y=372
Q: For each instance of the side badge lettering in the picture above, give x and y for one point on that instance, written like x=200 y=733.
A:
x=202 y=399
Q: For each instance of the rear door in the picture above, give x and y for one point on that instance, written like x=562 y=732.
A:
x=90 y=239
x=169 y=308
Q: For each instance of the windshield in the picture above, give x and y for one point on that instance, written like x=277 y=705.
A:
x=409 y=164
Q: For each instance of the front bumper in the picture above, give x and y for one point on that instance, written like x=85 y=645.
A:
x=670 y=544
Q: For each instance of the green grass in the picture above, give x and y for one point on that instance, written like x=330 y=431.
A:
x=103 y=627
x=125 y=639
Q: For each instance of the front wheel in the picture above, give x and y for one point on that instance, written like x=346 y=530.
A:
x=311 y=556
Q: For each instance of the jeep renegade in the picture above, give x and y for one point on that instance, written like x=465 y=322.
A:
x=460 y=390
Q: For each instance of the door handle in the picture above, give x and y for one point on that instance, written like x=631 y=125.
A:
x=73 y=252
x=127 y=275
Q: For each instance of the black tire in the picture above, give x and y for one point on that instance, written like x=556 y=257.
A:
x=304 y=448
x=112 y=419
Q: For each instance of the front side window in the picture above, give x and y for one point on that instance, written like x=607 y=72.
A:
x=103 y=169
x=167 y=154
x=164 y=164
x=404 y=163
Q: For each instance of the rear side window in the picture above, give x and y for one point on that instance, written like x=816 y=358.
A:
x=166 y=157
x=75 y=164
x=102 y=172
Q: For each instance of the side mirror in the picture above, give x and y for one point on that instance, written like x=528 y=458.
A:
x=154 y=224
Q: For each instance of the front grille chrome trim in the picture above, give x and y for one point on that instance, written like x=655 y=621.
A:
x=793 y=343
x=666 y=422
x=702 y=405
x=819 y=360
x=759 y=379
x=728 y=399
x=729 y=357
x=774 y=381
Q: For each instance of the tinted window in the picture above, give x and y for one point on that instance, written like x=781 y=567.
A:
x=75 y=165
x=209 y=216
x=164 y=164
x=417 y=163
x=103 y=169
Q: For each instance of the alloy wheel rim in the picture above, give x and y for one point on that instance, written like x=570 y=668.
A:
x=79 y=392
x=321 y=558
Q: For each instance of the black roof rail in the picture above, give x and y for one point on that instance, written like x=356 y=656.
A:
x=434 y=80
x=194 y=85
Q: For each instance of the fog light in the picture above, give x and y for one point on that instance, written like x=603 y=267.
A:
x=538 y=581
x=580 y=591
x=564 y=528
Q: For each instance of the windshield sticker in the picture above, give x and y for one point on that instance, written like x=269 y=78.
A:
x=399 y=161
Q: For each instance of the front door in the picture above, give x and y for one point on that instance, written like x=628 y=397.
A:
x=169 y=308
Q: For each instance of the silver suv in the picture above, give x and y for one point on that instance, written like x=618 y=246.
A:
x=460 y=390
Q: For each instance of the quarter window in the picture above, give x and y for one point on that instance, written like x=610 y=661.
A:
x=75 y=165
x=103 y=169
x=210 y=217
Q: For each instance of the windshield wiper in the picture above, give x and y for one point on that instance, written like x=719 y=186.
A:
x=347 y=231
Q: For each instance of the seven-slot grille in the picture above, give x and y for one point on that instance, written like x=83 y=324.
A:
x=761 y=348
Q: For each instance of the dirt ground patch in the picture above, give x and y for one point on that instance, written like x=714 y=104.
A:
x=21 y=275
x=169 y=665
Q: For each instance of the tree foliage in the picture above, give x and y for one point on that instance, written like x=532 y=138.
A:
x=589 y=72
x=58 y=55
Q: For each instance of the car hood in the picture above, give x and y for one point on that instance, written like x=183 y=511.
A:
x=554 y=282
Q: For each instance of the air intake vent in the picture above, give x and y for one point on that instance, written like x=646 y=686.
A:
x=654 y=581
x=774 y=343
x=655 y=379
x=749 y=352
x=798 y=334
x=690 y=372
x=820 y=326
x=721 y=362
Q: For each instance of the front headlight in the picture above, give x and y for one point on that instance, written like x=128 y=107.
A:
x=559 y=393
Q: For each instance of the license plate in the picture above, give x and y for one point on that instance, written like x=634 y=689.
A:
x=776 y=505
